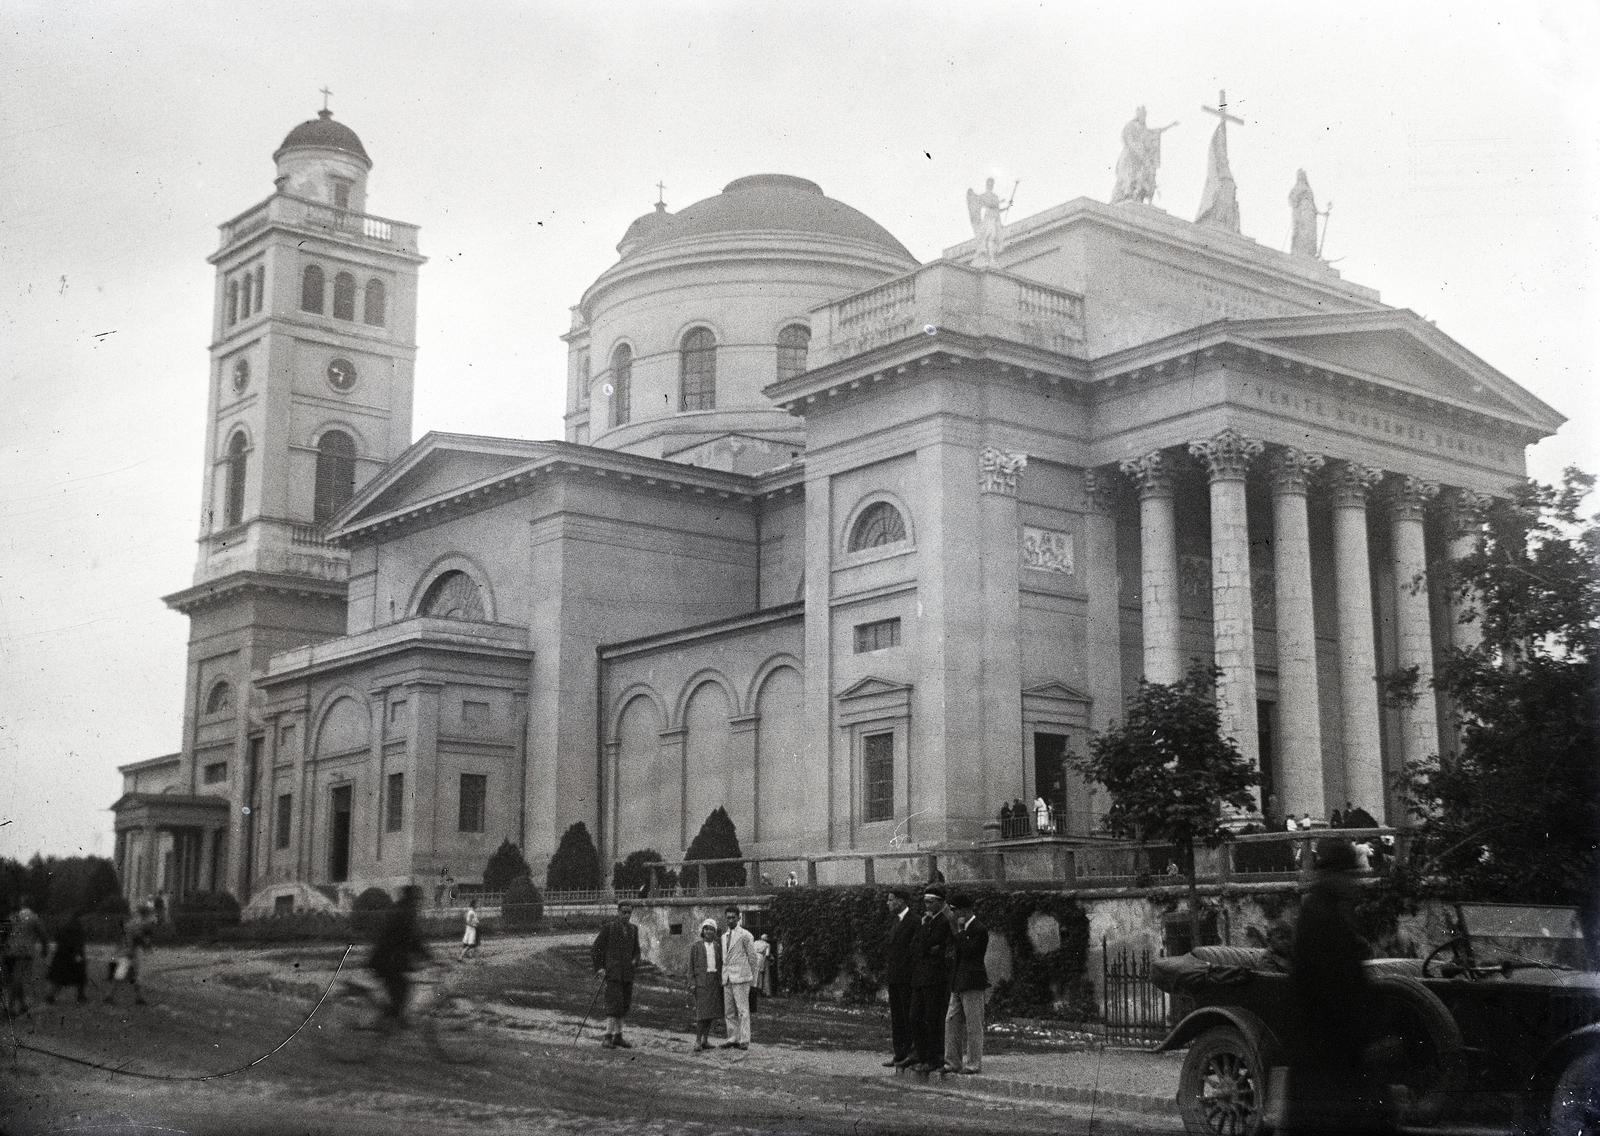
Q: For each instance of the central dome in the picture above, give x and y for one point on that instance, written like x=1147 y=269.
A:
x=765 y=203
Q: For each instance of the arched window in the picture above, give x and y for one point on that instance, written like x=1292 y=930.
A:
x=220 y=699
x=698 y=371
x=233 y=302
x=336 y=474
x=233 y=504
x=344 y=296
x=792 y=343
x=878 y=525
x=246 y=286
x=621 y=385
x=454 y=595
x=311 y=289
x=372 y=312
x=261 y=285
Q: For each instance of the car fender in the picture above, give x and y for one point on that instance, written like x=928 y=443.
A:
x=1433 y=1013
x=1256 y=1031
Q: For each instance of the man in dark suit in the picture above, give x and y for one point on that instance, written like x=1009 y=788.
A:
x=615 y=957
x=930 y=991
x=898 y=963
x=969 y=979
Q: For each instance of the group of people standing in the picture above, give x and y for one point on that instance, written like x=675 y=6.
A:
x=934 y=968
x=25 y=941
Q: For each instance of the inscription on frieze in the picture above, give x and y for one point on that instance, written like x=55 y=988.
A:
x=1045 y=550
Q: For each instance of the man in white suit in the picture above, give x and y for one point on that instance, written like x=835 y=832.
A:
x=739 y=966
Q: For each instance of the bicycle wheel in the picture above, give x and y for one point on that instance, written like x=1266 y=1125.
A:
x=450 y=1027
x=349 y=1026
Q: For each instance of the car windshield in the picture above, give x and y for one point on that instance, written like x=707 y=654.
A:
x=1521 y=933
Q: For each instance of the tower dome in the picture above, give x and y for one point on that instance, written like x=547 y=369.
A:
x=323 y=160
x=322 y=133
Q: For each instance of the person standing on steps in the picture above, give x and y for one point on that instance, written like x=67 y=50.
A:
x=930 y=992
x=738 y=973
x=969 y=980
x=898 y=963
x=615 y=958
x=705 y=983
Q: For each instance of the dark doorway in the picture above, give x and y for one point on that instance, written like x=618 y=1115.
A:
x=1267 y=743
x=1049 y=777
x=339 y=836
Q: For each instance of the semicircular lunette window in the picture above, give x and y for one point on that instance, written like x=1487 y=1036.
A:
x=454 y=595
x=878 y=525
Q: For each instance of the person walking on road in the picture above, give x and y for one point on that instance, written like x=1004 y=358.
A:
x=738 y=973
x=24 y=942
x=705 y=982
x=898 y=962
x=69 y=965
x=615 y=957
x=396 y=950
x=138 y=933
x=930 y=992
x=969 y=980
x=469 y=938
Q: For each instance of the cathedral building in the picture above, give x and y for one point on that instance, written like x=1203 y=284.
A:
x=858 y=548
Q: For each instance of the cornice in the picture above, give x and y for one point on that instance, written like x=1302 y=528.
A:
x=240 y=583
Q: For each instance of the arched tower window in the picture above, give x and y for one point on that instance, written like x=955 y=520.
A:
x=454 y=595
x=621 y=385
x=878 y=525
x=344 y=296
x=698 y=371
x=261 y=285
x=246 y=287
x=792 y=343
x=372 y=312
x=233 y=504
x=220 y=699
x=336 y=474
x=311 y=289
x=233 y=302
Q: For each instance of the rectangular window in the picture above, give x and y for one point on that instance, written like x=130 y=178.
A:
x=877 y=636
x=474 y=791
x=395 y=808
x=878 y=775
x=341 y=193
x=397 y=710
x=285 y=808
x=216 y=771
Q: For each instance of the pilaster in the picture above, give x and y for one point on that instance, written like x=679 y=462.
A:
x=999 y=553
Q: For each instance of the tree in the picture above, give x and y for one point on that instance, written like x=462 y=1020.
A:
x=718 y=840
x=576 y=864
x=523 y=908
x=504 y=866
x=630 y=876
x=1169 y=771
x=1513 y=813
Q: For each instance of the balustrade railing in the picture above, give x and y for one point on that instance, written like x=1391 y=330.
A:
x=291 y=210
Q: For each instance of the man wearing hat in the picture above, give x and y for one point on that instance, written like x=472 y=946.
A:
x=738 y=974
x=615 y=957
x=898 y=963
x=969 y=979
x=930 y=991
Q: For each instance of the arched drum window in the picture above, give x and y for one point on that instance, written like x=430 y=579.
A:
x=621 y=385
x=220 y=699
x=792 y=343
x=311 y=289
x=454 y=595
x=336 y=474
x=878 y=525
x=233 y=494
x=698 y=371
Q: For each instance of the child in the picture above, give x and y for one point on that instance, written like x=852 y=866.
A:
x=136 y=937
x=469 y=939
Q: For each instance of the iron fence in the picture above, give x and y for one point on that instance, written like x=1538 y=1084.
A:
x=1134 y=1009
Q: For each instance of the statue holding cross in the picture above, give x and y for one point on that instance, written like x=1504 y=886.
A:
x=1219 y=201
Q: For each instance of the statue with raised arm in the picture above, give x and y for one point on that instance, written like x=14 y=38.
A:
x=988 y=223
x=1139 y=160
x=1303 y=209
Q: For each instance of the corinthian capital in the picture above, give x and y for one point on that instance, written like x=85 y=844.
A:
x=1409 y=496
x=998 y=470
x=1227 y=455
x=1465 y=514
x=1151 y=473
x=1350 y=483
x=1292 y=469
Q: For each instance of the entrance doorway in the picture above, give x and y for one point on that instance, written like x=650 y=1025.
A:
x=339 y=836
x=1050 y=775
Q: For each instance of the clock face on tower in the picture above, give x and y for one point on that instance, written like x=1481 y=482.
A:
x=341 y=374
x=241 y=374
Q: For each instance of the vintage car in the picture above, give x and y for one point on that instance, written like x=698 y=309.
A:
x=1497 y=1025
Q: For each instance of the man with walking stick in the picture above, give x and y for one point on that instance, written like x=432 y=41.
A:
x=615 y=957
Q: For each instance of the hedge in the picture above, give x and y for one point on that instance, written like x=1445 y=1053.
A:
x=833 y=933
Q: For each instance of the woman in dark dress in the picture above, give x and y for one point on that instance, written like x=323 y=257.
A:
x=69 y=965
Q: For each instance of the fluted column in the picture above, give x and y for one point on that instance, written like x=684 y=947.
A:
x=1299 y=761
x=1419 y=721
x=1158 y=566
x=1358 y=657
x=1227 y=459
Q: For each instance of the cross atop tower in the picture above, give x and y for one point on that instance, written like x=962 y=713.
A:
x=1221 y=111
x=326 y=95
x=661 y=194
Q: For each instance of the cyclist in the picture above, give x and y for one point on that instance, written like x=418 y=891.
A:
x=396 y=949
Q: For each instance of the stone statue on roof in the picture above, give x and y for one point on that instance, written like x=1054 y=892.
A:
x=1303 y=209
x=988 y=223
x=1139 y=160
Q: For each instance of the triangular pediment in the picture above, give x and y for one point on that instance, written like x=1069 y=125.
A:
x=872 y=685
x=1057 y=690
x=437 y=465
x=1399 y=349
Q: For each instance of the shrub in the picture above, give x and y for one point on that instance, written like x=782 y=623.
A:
x=630 y=876
x=504 y=866
x=717 y=840
x=202 y=914
x=367 y=911
x=576 y=864
x=523 y=909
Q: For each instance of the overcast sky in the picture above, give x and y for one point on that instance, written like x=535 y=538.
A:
x=1457 y=143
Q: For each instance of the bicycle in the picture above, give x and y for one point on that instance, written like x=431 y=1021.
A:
x=353 y=1023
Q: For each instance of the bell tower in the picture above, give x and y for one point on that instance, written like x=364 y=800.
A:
x=309 y=393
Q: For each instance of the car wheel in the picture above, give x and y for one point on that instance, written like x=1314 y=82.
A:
x=1422 y=1058
x=1575 y=1101
x=1222 y=1087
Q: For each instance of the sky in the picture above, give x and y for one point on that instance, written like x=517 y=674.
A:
x=1458 y=144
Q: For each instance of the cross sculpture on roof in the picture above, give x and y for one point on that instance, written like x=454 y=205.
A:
x=326 y=95
x=661 y=194
x=1221 y=111
x=1219 y=200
